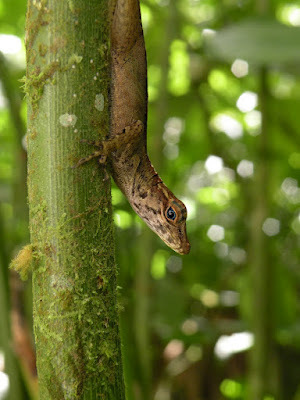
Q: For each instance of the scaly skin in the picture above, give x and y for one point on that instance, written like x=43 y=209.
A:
x=126 y=148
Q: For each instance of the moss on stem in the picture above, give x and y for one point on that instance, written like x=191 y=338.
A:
x=74 y=272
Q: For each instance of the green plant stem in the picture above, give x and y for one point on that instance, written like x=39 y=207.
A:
x=260 y=262
x=74 y=272
x=145 y=248
x=14 y=100
x=20 y=168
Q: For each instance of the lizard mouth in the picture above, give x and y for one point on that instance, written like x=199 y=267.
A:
x=184 y=248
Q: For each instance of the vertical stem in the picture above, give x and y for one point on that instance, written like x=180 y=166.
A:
x=144 y=254
x=16 y=388
x=141 y=313
x=260 y=261
x=261 y=356
x=74 y=273
x=20 y=175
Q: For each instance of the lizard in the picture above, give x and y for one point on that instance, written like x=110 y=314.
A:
x=125 y=151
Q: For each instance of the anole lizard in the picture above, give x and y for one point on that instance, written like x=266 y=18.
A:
x=126 y=149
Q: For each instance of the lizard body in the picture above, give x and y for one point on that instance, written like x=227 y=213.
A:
x=126 y=147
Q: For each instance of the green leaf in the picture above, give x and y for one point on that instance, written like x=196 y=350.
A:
x=261 y=41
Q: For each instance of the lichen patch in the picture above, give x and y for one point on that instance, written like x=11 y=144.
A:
x=67 y=120
x=99 y=102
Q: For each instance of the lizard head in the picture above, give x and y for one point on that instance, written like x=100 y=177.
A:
x=166 y=216
x=173 y=216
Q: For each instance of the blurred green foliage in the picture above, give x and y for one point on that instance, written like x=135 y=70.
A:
x=207 y=104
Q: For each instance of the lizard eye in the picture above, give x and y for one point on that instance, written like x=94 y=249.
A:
x=171 y=214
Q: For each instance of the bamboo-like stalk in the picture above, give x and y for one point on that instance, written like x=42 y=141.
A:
x=260 y=263
x=144 y=253
x=74 y=273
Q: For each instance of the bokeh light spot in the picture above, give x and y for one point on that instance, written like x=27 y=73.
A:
x=173 y=129
x=271 y=226
x=247 y=101
x=209 y=298
x=173 y=349
x=10 y=44
x=227 y=124
x=189 y=327
x=235 y=343
x=216 y=233
x=240 y=68
x=289 y=186
x=253 y=121
x=245 y=168
x=4 y=385
x=213 y=164
x=194 y=353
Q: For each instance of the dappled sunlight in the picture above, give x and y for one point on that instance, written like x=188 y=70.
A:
x=123 y=219
x=173 y=349
x=173 y=130
x=247 y=101
x=191 y=207
x=189 y=327
x=253 y=122
x=10 y=44
x=174 y=264
x=171 y=151
x=194 y=353
x=179 y=79
x=213 y=164
x=209 y=298
x=237 y=255
x=245 y=168
x=154 y=77
x=4 y=379
x=289 y=14
x=4 y=385
x=200 y=11
x=158 y=264
x=221 y=249
x=216 y=233
x=232 y=389
x=229 y=298
x=230 y=126
x=208 y=33
x=296 y=224
x=290 y=187
x=271 y=226
x=285 y=85
x=3 y=101
x=240 y=68
x=226 y=346
x=13 y=48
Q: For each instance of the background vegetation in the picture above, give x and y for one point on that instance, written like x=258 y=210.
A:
x=224 y=100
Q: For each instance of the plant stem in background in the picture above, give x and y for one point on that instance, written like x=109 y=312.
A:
x=260 y=263
x=145 y=248
x=16 y=388
x=20 y=168
x=74 y=273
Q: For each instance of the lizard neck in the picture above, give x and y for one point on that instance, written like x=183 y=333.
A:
x=146 y=189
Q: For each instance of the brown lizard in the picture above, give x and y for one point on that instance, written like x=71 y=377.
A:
x=126 y=148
